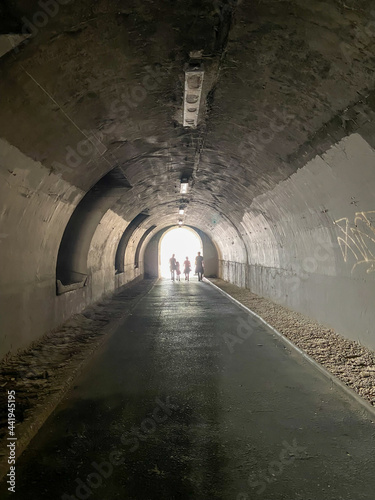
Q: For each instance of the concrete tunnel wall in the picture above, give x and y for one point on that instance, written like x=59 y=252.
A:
x=308 y=244
x=311 y=241
x=281 y=164
x=36 y=208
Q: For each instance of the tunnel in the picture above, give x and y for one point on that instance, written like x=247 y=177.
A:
x=250 y=123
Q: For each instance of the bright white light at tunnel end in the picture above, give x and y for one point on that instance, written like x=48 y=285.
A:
x=183 y=242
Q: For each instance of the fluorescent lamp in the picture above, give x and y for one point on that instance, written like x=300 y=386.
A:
x=194 y=75
x=184 y=186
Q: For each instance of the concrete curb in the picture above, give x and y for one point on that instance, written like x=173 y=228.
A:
x=27 y=430
x=363 y=402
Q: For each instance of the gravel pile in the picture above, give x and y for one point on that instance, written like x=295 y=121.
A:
x=352 y=363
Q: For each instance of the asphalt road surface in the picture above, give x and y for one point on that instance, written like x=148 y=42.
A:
x=193 y=398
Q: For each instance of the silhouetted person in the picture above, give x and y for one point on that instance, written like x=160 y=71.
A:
x=178 y=271
x=199 y=266
x=172 y=266
x=187 y=268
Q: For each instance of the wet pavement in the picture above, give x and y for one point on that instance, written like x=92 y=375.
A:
x=193 y=398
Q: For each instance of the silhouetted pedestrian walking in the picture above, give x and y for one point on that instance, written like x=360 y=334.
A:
x=187 y=268
x=172 y=266
x=199 y=266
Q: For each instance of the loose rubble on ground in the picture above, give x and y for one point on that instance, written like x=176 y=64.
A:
x=349 y=361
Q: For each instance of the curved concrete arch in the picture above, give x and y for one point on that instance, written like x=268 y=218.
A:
x=140 y=243
x=72 y=263
x=280 y=164
x=124 y=241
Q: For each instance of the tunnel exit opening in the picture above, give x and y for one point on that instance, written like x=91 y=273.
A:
x=181 y=241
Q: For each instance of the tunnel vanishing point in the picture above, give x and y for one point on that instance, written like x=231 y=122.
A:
x=254 y=118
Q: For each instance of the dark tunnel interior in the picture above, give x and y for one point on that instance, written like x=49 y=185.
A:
x=251 y=123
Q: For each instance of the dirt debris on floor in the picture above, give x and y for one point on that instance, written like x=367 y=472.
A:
x=49 y=364
x=348 y=360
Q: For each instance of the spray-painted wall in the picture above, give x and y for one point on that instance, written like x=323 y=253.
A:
x=311 y=241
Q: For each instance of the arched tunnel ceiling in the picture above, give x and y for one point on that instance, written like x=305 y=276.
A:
x=101 y=84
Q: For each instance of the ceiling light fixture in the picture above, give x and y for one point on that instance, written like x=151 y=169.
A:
x=181 y=211
x=192 y=96
x=184 y=186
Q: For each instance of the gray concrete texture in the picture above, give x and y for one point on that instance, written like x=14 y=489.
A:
x=193 y=398
x=281 y=164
